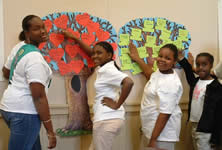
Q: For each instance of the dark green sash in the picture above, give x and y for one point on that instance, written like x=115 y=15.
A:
x=25 y=49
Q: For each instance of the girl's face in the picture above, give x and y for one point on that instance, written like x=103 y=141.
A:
x=165 y=60
x=100 y=56
x=37 y=32
x=203 y=67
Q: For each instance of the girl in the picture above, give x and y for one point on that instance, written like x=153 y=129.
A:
x=205 y=102
x=24 y=103
x=108 y=109
x=160 y=112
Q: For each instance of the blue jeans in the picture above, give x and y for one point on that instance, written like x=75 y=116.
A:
x=24 y=130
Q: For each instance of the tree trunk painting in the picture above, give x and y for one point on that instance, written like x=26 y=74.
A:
x=79 y=121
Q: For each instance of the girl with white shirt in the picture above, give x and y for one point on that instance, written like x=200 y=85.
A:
x=24 y=105
x=108 y=109
x=160 y=112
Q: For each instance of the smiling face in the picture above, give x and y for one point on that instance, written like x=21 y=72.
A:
x=166 y=60
x=203 y=67
x=100 y=56
x=36 y=33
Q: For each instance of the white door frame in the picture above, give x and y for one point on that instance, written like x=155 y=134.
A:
x=220 y=28
x=2 y=49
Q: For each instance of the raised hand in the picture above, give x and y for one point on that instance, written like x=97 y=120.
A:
x=68 y=34
x=180 y=55
x=191 y=61
x=133 y=52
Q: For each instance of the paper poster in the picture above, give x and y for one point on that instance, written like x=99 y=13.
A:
x=67 y=58
x=149 y=35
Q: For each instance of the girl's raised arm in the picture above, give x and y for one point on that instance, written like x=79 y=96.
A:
x=147 y=68
x=83 y=45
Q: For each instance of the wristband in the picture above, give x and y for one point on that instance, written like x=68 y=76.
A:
x=47 y=121
x=52 y=136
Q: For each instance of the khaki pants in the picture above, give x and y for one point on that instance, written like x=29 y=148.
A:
x=160 y=144
x=104 y=133
x=200 y=139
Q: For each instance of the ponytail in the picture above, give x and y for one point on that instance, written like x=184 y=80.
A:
x=22 y=36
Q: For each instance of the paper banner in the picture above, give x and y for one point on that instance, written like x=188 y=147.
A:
x=151 y=34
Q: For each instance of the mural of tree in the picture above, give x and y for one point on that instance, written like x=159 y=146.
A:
x=149 y=35
x=68 y=59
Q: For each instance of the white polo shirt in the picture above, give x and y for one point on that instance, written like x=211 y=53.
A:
x=162 y=95
x=108 y=84
x=17 y=97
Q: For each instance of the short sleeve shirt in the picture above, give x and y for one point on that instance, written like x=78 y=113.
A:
x=108 y=84
x=162 y=94
x=17 y=97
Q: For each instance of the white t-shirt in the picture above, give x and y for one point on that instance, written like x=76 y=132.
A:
x=107 y=84
x=162 y=94
x=17 y=97
x=12 y=54
x=198 y=100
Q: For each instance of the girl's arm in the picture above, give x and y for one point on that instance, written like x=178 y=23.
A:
x=188 y=69
x=83 y=45
x=42 y=107
x=160 y=124
x=6 y=72
x=127 y=85
x=147 y=68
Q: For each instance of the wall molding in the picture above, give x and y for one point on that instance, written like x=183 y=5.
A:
x=62 y=109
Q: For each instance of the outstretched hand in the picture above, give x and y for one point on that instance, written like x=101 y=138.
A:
x=68 y=34
x=110 y=103
x=180 y=55
x=133 y=52
x=190 y=59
